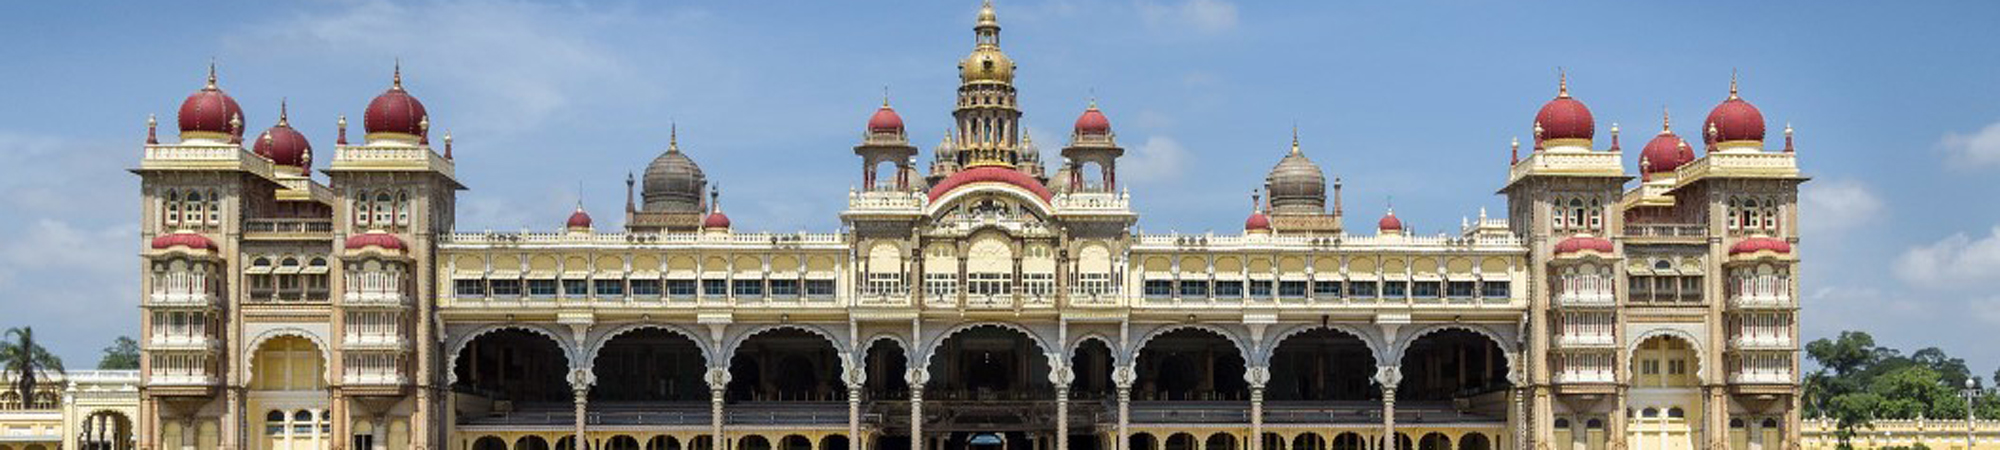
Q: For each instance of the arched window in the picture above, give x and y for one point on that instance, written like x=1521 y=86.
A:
x=1576 y=213
x=191 y=212
x=1649 y=412
x=1770 y=215
x=383 y=208
x=274 y=423
x=1676 y=412
x=1596 y=215
x=173 y=207
x=1558 y=216
x=361 y=210
x=214 y=208
x=403 y=209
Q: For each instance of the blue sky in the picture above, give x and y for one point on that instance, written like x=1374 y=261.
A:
x=1898 y=120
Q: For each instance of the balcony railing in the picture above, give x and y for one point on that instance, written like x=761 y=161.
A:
x=1586 y=340
x=180 y=380
x=374 y=379
x=183 y=342
x=1762 y=377
x=1666 y=230
x=298 y=228
x=1587 y=290
x=1761 y=291
x=1765 y=342
x=1600 y=375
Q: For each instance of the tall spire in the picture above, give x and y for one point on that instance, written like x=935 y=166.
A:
x=1295 y=138
x=284 y=113
x=397 y=82
x=211 y=74
x=1562 y=83
x=1666 y=121
x=1732 y=85
x=673 y=137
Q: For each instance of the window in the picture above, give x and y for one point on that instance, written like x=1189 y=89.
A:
x=506 y=288
x=464 y=288
x=1291 y=289
x=1228 y=289
x=1260 y=288
x=1426 y=289
x=748 y=288
x=1690 y=289
x=785 y=288
x=819 y=288
x=1495 y=289
x=1159 y=288
x=1326 y=289
x=1194 y=288
x=542 y=288
x=681 y=288
x=646 y=287
x=1677 y=367
x=383 y=208
x=940 y=285
x=989 y=284
x=576 y=288
x=610 y=288
x=1458 y=289
x=1649 y=367
x=1363 y=289
x=715 y=288
x=1395 y=289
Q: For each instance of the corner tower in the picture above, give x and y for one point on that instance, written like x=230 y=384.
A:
x=988 y=115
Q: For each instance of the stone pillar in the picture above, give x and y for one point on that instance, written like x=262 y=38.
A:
x=1615 y=428
x=718 y=383
x=1062 y=416
x=1716 y=427
x=339 y=440
x=916 y=377
x=854 y=415
x=582 y=405
x=1123 y=377
x=1256 y=376
x=1790 y=428
x=232 y=421
x=379 y=434
x=1389 y=377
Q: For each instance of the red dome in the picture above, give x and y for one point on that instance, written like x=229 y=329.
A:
x=284 y=145
x=1389 y=222
x=211 y=110
x=1257 y=222
x=384 y=241
x=994 y=174
x=1566 y=118
x=1581 y=243
x=1093 y=121
x=396 y=111
x=1734 y=120
x=189 y=240
x=1760 y=243
x=1665 y=153
x=715 y=221
x=578 y=219
x=885 y=120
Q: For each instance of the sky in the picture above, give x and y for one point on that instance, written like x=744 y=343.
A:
x=552 y=103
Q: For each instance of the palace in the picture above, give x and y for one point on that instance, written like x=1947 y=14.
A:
x=990 y=300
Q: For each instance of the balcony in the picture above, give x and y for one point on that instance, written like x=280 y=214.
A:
x=1586 y=340
x=1586 y=375
x=187 y=299
x=1761 y=291
x=373 y=378
x=375 y=342
x=1760 y=342
x=1762 y=377
x=201 y=343
x=1587 y=291
x=180 y=380
x=1667 y=231
x=376 y=299
x=288 y=229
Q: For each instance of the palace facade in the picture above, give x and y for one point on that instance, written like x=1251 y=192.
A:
x=991 y=299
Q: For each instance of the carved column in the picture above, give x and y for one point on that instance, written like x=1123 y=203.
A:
x=1061 y=376
x=856 y=376
x=916 y=377
x=1257 y=376
x=1123 y=378
x=579 y=384
x=1389 y=377
x=718 y=382
x=1617 y=424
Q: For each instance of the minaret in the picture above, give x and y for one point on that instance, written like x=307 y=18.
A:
x=988 y=117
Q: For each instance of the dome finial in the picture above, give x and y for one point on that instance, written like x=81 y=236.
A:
x=715 y=198
x=447 y=151
x=1514 y=148
x=1788 y=137
x=1732 y=85
x=673 y=137
x=885 y=96
x=1614 y=136
x=1295 y=138
x=1256 y=199
x=1562 y=83
x=343 y=130
x=211 y=73
x=152 y=129
x=396 y=81
x=1666 y=120
x=284 y=113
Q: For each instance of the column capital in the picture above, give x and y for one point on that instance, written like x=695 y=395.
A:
x=917 y=378
x=717 y=378
x=1124 y=376
x=1388 y=376
x=581 y=379
x=1257 y=376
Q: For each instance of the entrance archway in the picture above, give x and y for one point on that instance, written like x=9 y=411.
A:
x=105 y=430
x=989 y=363
x=1322 y=364
x=1191 y=364
x=785 y=364
x=649 y=365
x=513 y=365
x=1454 y=364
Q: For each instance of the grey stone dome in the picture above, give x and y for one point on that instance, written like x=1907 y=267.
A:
x=674 y=183
x=1296 y=185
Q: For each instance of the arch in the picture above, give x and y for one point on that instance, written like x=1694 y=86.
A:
x=1375 y=346
x=457 y=345
x=325 y=352
x=1142 y=441
x=1694 y=343
x=1033 y=200
x=835 y=442
x=1349 y=441
x=489 y=442
x=838 y=344
x=1181 y=441
x=531 y=442
x=1077 y=343
x=621 y=442
x=1434 y=441
x=597 y=345
x=1242 y=347
x=794 y=442
x=1506 y=346
x=753 y=442
x=900 y=341
x=1475 y=441
x=1308 y=441
x=1220 y=441
x=931 y=346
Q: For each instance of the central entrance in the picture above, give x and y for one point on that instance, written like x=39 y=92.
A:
x=990 y=390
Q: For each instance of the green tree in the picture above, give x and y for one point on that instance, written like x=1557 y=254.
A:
x=26 y=360
x=123 y=354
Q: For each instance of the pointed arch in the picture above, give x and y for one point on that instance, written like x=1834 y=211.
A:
x=1376 y=347
x=457 y=345
x=325 y=352
x=596 y=345
x=1242 y=346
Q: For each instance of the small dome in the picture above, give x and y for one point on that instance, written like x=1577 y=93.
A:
x=1733 y=120
x=1257 y=222
x=192 y=241
x=376 y=239
x=715 y=221
x=1578 y=244
x=578 y=220
x=1093 y=122
x=1296 y=184
x=1665 y=153
x=674 y=183
x=396 y=111
x=1564 y=117
x=1760 y=244
x=284 y=145
x=885 y=120
x=992 y=174
x=1389 y=222
x=211 y=110
x=986 y=64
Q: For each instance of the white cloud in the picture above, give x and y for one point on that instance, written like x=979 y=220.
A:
x=1978 y=148
x=1957 y=260
x=1835 y=205
x=1160 y=158
x=1206 y=16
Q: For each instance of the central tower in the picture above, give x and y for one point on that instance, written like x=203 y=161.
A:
x=987 y=113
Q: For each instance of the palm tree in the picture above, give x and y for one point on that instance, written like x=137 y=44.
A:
x=21 y=357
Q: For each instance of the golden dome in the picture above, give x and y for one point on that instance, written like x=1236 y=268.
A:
x=986 y=64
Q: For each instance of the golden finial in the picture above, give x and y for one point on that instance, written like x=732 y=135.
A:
x=1712 y=131
x=1295 y=138
x=235 y=122
x=284 y=113
x=1666 y=120
x=424 y=124
x=396 y=82
x=885 y=96
x=1732 y=84
x=211 y=73
x=266 y=137
x=1562 y=83
x=673 y=137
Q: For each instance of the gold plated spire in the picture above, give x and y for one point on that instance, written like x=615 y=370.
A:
x=673 y=137
x=284 y=113
x=1562 y=83
x=1295 y=139
x=397 y=82
x=1666 y=121
x=211 y=75
x=1732 y=85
